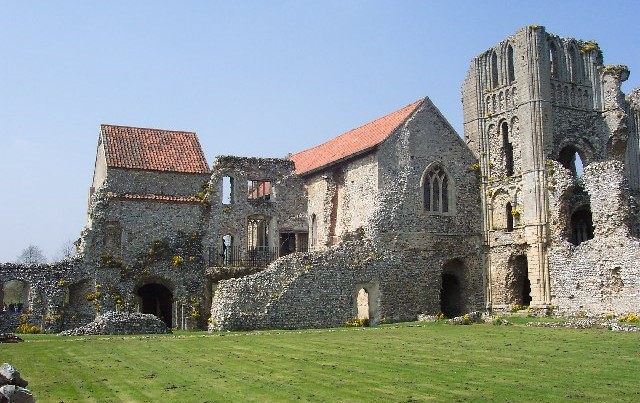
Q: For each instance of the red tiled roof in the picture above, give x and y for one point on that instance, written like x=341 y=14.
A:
x=352 y=142
x=153 y=149
x=153 y=197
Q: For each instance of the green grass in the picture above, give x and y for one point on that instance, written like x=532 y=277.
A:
x=392 y=363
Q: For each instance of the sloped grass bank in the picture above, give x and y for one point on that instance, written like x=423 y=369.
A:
x=392 y=363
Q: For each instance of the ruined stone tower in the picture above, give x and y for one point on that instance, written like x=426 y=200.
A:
x=537 y=108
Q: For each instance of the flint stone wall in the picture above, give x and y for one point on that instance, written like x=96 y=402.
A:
x=311 y=290
x=285 y=210
x=48 y=285
x=133 y=242
x=319 y=289
x=601 y=275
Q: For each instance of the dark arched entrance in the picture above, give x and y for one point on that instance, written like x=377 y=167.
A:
x=518 y=283
x=450 y=296
x=156 y=300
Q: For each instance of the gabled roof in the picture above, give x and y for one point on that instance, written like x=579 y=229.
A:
x=153 y=149
x=353 y=142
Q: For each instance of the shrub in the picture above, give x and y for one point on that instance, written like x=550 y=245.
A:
x=25 y=328
x=517 y=308
x=356 y=322
x=177 y=260
x=632 y=317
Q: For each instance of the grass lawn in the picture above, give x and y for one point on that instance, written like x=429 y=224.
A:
x=409 y=362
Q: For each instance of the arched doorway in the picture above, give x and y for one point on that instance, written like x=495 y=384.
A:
x=450 y=296
x=451 y=291
x=518 y=283
x=363 y=304
x=156 y=300
x=15 y=296
x=366 y=298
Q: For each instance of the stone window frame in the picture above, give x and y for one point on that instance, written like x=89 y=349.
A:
x=494 y=69
x=555 y=64
x=260 y=190
x=259 y=232
x=230 y=198
x=574 y=63
x=451 y=191
x=504 y=131
x=499 y=205
x=510 y=65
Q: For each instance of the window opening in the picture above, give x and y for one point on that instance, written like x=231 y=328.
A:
x=570 y=158
x=227 y=190
x=507 y=148
x=258 y=189
x=314 y=231
x=436 y=191
x=573 y=62
x=553 y=59
x=509 y=214
x=494 y=70
x=257 y=233
x=510 y=69
x=581 y=225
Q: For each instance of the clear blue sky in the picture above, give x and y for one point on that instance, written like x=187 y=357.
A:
x=252 y=78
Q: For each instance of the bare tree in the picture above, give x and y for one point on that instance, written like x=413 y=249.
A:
x=67 y=250
x=32 y=254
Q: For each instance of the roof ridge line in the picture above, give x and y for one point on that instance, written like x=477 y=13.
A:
x=147 y=128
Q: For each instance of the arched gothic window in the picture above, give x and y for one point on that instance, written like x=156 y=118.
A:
x=553 y=59
x=507 y=148
x=573 y=63
x=494 y=70
x=436 y=190
x=510 y=69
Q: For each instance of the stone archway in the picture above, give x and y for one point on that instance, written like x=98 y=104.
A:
x=15 y=296
x=450 y=296
x=452 y=302
x=518 y=283
x=156 y=299
x=367 y=302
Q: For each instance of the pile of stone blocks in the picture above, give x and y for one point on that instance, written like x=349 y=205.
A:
x=121 y=323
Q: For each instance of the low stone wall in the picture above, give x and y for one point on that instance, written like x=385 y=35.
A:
x=121 y=323
x=320 y=289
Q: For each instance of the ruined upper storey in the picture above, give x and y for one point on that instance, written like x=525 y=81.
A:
x=535 y=97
